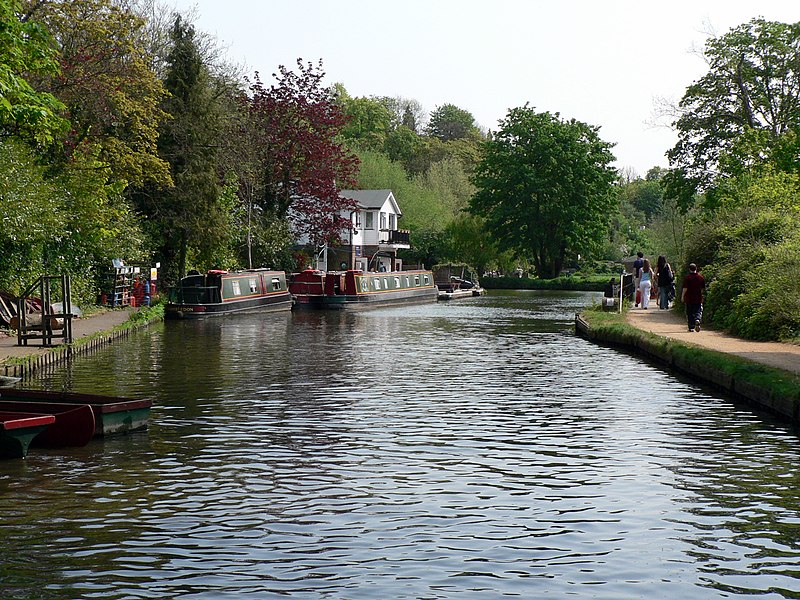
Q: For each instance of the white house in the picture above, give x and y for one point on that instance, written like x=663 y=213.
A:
x=373 y=242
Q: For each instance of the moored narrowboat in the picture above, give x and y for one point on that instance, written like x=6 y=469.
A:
x=218 y=293
x=354 y=289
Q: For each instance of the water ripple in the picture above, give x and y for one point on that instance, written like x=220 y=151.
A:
x=468 y=449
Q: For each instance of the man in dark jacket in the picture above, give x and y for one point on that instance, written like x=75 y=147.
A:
x=692 y=297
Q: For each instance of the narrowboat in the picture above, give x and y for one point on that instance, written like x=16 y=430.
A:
x=74 y=423
x=220 y=293
x=112 y=414
x=17 y=430
x=354 y=289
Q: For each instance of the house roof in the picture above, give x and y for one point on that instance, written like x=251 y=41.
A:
x=371 y=198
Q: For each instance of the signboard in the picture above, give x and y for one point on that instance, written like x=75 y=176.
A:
x=153 y=274
x=358 y=251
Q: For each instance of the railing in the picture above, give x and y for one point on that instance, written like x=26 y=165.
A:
x=393 y=236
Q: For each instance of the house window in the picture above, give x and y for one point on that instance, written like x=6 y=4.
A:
x=383 y=220
x=369 y=220
x=392 y=225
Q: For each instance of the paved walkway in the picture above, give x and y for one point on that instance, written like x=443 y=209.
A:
x=668 y=323
x=82 y=327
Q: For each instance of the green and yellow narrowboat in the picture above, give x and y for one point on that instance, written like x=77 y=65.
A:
x=220 y=293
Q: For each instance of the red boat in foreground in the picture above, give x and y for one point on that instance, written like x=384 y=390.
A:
x=18 y=429
x=74 y=423
x=112 y=414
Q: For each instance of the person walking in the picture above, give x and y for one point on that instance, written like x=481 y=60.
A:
x=637 y=276
x=666 y=283
x=692 y=290
x=646 y=283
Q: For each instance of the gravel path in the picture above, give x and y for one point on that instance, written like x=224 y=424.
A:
x=668 y=323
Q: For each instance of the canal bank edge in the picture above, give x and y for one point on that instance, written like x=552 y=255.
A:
x=767 y=388
x=91 y=334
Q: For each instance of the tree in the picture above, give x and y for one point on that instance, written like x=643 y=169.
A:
x=752 y=85
x=187 y=216
x=26 y=48
x=111 y=93
x=302 y=163
x=545 y=188
x=448 y=122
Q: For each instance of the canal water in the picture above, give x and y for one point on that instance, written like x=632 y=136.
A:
x=475 y=449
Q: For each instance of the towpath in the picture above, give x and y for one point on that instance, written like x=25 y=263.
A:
x=82 y=327
x=670 y=324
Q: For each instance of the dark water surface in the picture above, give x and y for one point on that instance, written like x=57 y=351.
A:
x=469 y=450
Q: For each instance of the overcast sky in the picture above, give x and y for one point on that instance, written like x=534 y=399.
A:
x=604 y=62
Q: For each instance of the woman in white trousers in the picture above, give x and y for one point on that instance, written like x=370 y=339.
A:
x=646 y=283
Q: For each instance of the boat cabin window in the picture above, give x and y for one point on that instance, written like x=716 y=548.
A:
x=397 y=282
x=235 y=289
x=364 y=285
x=377 y=283
x=416 y=279
x=276 y=284
x=426 y=279
x=385 y=283
x=253 y=286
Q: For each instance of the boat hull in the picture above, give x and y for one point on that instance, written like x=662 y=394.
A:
x=355 y=290
x=112 y=414
x=17 y=430
x=74 y=423
x=361 y=302
x=219 y=309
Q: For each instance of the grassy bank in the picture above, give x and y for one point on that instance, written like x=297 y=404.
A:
x=772 y=389
x=583 y=283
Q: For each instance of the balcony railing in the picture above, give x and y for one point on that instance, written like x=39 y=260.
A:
x=393 y=236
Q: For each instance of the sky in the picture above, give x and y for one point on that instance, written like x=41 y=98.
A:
x=608 y=63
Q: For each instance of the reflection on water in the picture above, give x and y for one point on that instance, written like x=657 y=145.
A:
x=470 y=449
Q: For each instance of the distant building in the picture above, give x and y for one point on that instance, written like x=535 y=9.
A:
x=373 y=242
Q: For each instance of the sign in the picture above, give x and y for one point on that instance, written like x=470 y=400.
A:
x=153 y=274
x=358 y=251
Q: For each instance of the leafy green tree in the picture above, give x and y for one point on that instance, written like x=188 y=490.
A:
x=106 y=81
x=368 y=124
x=26 y=48
x=449 y=122
x=752 y=87
x=545 y=188
x=187 y=219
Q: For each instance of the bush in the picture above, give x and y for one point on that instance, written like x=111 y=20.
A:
x=750 y=257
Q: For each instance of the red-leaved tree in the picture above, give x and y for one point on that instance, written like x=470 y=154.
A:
x=299 y=166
